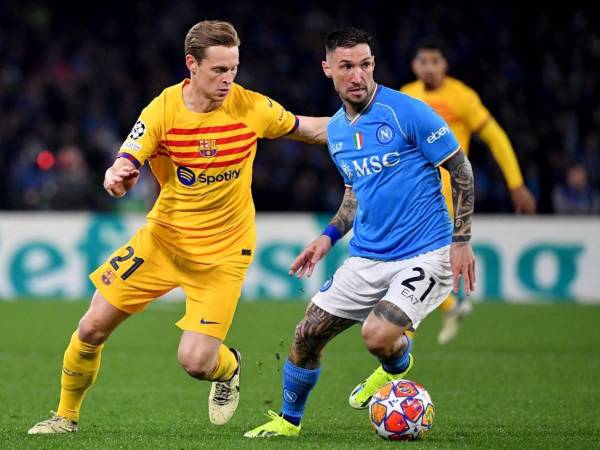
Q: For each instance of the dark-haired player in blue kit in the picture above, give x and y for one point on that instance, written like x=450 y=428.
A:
x=406 y=255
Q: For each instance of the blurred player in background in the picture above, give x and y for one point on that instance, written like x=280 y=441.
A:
x=405 y=255
x=200 y=138
x=461 y=108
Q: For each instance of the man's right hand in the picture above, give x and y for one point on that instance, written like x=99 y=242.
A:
x=523 y=200
x=120 y=177
x=307 y=260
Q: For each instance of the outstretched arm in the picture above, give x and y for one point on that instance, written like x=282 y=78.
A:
x=462 y=259
x=340 y=225
x=312 y=130
x=497 y=140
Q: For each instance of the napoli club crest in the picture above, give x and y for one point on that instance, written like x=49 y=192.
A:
x=327 y=284
x=207 y=148
x=385 y=134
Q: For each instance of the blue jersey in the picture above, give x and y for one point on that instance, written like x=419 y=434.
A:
x=389 y=155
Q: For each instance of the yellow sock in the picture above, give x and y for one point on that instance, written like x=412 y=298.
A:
x=448 y=304
x=226 y=365
x=80 y=369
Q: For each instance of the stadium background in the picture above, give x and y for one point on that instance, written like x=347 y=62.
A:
x=73 y=83
x=73 y=79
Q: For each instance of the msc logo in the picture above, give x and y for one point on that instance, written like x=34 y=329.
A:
x=434 y=136
x=385 y=134
x=375 y=164
x=186 y=176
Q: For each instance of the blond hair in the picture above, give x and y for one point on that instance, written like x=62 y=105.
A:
x=209 y=33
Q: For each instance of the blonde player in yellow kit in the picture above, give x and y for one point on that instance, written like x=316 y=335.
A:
x=199 y=137
x=461 y=108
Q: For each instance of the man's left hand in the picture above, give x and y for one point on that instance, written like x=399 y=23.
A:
x=462 y=262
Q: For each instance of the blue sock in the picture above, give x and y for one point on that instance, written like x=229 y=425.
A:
x=398 y=363
x=297 y=384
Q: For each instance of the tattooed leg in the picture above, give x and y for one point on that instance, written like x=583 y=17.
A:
x=314 y=331
x=384 y=330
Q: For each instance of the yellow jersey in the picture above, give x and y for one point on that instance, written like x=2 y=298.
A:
x=461 y=108
x=203 y=164
x=456 y=103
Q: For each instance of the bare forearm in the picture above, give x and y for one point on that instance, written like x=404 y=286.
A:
x=344 y=218
x=312 y=130
x=120 y=177
x=463 y=195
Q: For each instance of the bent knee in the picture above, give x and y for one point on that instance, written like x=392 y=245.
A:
x=92 y=332
x=377 y=343
x=377 y=346
x=197 y=366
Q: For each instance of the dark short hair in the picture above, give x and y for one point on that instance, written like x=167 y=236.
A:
x=431 y=43
x=346 y=38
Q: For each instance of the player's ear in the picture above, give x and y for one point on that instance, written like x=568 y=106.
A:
x=445 y=65
x=191 y=63
x=326 y=68
x=413 y=66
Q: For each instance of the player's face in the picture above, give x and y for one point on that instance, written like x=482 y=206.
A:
x=430 y=67
x=214 y=75
x=351 y=70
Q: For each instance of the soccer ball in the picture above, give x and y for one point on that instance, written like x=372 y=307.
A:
x=401 y=410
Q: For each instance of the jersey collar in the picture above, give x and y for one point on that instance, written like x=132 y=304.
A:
x=366 y=107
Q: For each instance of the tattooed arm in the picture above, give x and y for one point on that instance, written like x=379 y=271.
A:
x=463 y=198
x=344 y=218
x=463 y=195
x=340 y=224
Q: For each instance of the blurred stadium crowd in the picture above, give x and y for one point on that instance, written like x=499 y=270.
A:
x=73 y=80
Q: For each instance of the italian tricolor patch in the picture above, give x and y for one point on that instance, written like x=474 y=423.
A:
x=358 y=140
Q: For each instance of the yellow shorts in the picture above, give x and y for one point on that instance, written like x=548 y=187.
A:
x=143 y=270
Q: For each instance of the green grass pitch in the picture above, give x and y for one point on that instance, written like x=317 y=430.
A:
x=516 y=377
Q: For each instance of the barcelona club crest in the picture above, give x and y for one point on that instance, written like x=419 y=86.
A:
x=207 y=148
x=108 y=277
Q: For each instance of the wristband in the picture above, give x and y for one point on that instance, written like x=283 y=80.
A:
x=333 y=233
